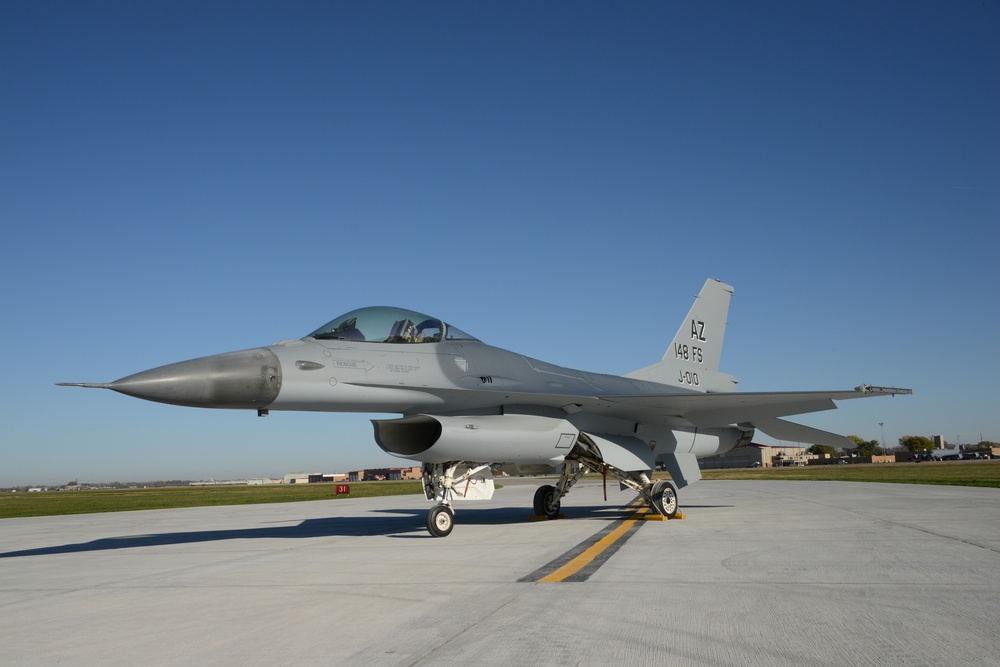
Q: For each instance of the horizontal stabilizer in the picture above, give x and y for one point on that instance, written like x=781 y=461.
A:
x=779 y=429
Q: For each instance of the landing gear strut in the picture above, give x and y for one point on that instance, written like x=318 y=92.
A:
x=661 y=495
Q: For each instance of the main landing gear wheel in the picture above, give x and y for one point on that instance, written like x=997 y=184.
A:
x=665 y=498
x=440 y=520
x=547 y=501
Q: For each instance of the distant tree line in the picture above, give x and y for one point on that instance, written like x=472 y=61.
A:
x=910 y=443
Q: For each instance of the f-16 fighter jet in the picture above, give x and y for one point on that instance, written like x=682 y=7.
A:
x=468 y=408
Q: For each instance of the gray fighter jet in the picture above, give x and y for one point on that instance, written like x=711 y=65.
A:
x=469 y=409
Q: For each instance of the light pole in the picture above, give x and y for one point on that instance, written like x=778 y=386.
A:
x=881 y=426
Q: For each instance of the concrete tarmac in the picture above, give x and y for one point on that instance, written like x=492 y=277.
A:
x=760 y=573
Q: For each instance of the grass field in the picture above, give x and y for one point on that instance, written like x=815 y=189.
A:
x=955 y=473
x=49 y=503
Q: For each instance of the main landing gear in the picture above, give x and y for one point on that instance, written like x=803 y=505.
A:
x=547 y=501
x=661 y=495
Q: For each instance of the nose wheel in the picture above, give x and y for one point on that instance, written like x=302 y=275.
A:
x=440 y=520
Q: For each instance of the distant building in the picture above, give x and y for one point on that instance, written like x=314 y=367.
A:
x=223 y=482
x=792 y=456
x=369 y=474
x=758 y=456
x=328 y=478
x=384 y=474
x=313 y=478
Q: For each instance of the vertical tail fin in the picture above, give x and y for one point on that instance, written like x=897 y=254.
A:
x=692 y=360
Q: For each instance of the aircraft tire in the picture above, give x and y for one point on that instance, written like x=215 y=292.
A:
x=440 y=520
x=665 y=498
x=547 y=501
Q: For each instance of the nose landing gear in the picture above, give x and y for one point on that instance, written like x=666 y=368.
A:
x=444 y=482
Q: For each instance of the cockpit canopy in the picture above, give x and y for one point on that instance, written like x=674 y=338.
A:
x=382 y=324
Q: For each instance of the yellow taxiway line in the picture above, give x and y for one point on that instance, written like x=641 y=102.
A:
x=585 y=558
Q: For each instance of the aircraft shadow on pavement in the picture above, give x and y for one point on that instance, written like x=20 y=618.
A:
x=393 y=522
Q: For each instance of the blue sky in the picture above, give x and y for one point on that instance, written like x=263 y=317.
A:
x=557 y=178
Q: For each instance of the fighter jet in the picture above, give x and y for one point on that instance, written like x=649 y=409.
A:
x=468 y=408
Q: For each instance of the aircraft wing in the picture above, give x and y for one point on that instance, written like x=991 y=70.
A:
x=722 y=409
x=761 y=410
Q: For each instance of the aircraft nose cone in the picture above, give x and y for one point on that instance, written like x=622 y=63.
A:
x=246 y=379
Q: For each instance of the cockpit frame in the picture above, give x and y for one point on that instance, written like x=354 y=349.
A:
x=386 y=324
